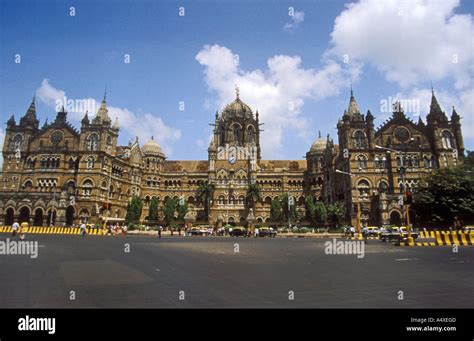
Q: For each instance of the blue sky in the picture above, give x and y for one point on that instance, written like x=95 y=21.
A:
x=395 y=48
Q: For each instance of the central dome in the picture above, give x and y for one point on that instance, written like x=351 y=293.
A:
x=237 y=109
x=319 y=145
x=152 y=148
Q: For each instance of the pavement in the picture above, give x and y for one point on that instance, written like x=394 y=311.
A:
x=206 y=272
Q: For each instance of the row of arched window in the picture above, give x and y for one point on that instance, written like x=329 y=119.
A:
x=222 y=200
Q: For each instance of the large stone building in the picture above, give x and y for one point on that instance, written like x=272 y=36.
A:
x=59 y=175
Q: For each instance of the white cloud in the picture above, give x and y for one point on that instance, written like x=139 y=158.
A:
x=463 y=102
x=278 y=92
x=408 y=41
x=142 y=125
x=296 y=18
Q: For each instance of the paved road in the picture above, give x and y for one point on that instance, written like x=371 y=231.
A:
x=210 y=274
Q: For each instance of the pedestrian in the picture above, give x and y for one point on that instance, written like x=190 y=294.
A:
x=256 y=232
x=124 y=229
x=352 y=230
x=365 y=233
x=15 y=228
x=179 y=230
x=159 y=231
x=83 y=230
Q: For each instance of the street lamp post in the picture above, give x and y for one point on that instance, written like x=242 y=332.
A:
x=359 y=232
x=402 y=175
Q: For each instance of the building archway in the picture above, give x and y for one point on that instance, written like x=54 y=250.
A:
x=24 y=216
x=9 y=216
x=395 y=218
x=38 y=218
x=70 y=215
x=51 y=217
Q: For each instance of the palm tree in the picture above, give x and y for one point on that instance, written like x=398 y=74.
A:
x=204 y=195
x=254 y=195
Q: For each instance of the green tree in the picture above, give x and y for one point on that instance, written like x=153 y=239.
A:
x=134 y=210
x=321 y=213
x=335 y=212
x=310 y=209
x=153 y=210
x=289 y=211
x=204 y=195
x=446 y=193
x=253 y=195
x=276 y=213
x=169 y=209
x=181 y=209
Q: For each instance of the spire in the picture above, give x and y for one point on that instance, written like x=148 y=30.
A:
x=45 y=125
x=85 y=120
x=319 y=134
x=29 y=119
x=116 y=125
x=353 y=108
x=454 y=115
x=102 y=114
x=369 y=117
x=237 y=92
x=32 y=108
x=11 y=122
x=420 y=122
x=435 y=109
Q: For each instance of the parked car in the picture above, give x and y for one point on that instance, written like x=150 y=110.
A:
x=397 y=234
x=266 y=232
x=237 y=232
x=196 y=231
x=468 y=229
x=373 y=231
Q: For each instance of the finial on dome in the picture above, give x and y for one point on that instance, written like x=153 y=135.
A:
x=237 y=91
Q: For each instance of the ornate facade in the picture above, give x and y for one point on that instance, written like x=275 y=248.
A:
x=59 y=175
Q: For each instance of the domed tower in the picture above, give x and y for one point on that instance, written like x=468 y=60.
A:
x=315 y=160
x=153 y=156
x=236 y=130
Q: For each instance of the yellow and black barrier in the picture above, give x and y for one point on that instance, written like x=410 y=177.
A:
x=446 y=238
x=54 y=230
x=427 y=234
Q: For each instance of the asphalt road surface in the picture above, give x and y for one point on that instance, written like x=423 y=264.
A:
x=205 y=272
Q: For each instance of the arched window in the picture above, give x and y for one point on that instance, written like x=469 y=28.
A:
x=17 y=141
x=90 y=162
x=361 y=162
x=221 y=200
x=383 y=186
x=28 y=184
x=237 y=131
x=447 y=140
x=360 y=141
x=250 y=134
x=363 y=187
x=427 y=162
x=87 y=185
x=93 y=143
